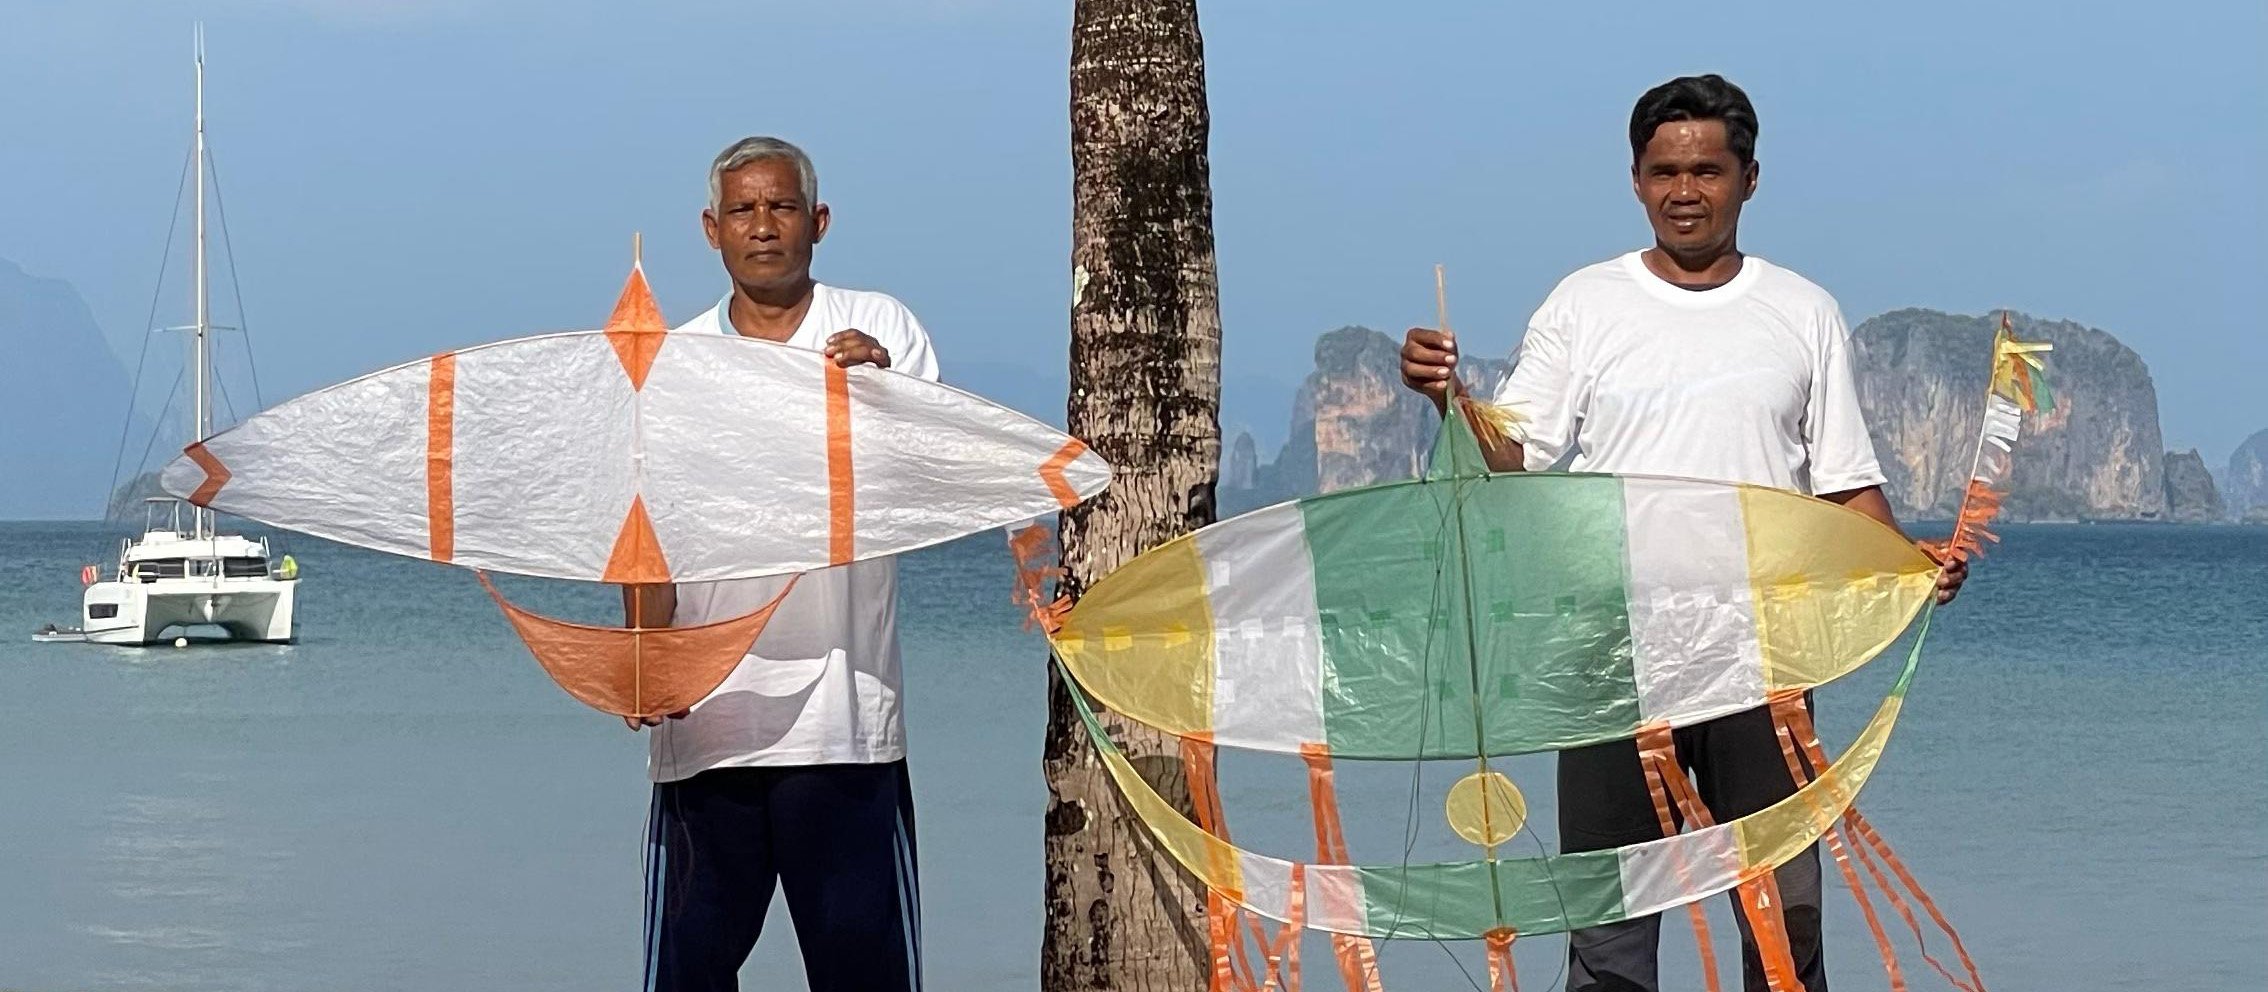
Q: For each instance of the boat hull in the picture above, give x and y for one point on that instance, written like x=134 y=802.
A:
x=134 y=613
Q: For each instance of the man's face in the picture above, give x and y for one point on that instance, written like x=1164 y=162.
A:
x=1693 y=187
x=762 y=227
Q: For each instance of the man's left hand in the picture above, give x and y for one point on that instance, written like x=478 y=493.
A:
x=1949 y=581
x=854 y=347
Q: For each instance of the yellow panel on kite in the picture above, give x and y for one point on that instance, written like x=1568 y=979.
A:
x=1831 y=589
x=1152 y=653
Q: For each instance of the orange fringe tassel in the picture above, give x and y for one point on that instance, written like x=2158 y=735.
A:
x=1653 y=743
x=1357 y=957
x=1033 y=548
x=1502 y=976
x=1980 y=503
x=1865 y=832
x=1792 y=721
x=1787 y=707
x=1232 y=962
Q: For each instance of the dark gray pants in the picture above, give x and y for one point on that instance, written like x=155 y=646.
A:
x=1738 y=769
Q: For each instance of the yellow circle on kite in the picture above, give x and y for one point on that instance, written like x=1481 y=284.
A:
x=1485 y=808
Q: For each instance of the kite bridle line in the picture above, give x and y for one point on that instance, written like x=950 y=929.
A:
x=1498 y=942
x=1457 y=486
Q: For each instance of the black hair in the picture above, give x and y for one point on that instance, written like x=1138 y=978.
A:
x=1696 y=98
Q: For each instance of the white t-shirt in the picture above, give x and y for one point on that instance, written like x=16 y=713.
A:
x=821 y=685
x=1746 y=382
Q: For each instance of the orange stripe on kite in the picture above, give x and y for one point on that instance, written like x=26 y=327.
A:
x=1051 y=472
x=216 y=474
x=841 y=496
x=441 y=458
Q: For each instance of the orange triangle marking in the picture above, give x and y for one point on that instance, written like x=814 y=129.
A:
x=1051 y=472
x=636 y=330
x=216 y=474
x=637 y=556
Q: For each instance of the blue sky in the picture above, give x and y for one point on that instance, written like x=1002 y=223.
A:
x=404 y=177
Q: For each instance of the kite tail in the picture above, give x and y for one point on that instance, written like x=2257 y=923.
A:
x=1865 y=832
x=1792 y=721
x=2018 y=386
x=1787 y=710
x=1283 y=958
x=1035 y=552
x=1502 y=976
x=1659 y=738
x=1230 y=930
x=1232 y=969
x=1357 y=957
x=1758 y=893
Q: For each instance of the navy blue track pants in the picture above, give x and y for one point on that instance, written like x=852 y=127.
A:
x=837 y=840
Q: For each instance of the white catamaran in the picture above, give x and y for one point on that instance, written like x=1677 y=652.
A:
x=174 y=577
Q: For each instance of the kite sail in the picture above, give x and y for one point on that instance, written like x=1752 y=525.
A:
x=631 y=455
x=1470 y=615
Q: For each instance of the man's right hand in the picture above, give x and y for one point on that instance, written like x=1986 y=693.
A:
x=1429 y=363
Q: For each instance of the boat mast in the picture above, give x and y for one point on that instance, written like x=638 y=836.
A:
x=201 y=419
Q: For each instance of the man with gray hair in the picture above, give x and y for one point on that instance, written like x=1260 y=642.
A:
x=792 y=774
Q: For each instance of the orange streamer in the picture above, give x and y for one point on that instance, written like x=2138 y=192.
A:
x=1800 y=726
x=1357 y=956
x=1502 y=976
x=1232 y=966
x=1788 y=708
x=1768 y=926
x=1658 y=748
x=1283 y=957
x=1980 y=503
x=1865 y=831
x=1033 y=547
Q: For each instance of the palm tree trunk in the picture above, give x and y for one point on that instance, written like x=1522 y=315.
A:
x=1145 y=393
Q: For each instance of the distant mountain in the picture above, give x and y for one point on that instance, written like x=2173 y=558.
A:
x=2191 y=497
x=1922 y=374
x=2097 y=455
x=1353 y=423
x=2245 y=484
x=1240 y=463
x=63 y=397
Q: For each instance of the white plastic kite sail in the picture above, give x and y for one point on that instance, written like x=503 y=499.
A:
x=632 y=455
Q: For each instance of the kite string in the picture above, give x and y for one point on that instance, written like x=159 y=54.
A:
x=1559 y=895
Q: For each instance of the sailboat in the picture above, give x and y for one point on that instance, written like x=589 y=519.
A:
x=181 y=573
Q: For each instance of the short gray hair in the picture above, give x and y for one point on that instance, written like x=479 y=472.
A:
x=757 y=149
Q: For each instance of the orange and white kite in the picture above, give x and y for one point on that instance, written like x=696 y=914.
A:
x=632 y=455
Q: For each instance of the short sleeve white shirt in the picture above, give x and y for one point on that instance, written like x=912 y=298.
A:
x=821 y=685
x=1750 y=381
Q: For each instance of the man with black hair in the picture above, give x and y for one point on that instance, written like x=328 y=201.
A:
x=1693 y=359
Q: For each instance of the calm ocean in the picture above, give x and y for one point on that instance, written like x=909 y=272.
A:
x=402 y=800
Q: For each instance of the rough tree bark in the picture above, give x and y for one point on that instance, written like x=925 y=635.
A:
x=1145 y=392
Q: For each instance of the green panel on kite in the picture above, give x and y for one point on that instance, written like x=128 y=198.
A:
x=1397 y=676
x=1547 y=565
